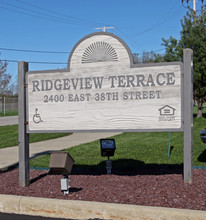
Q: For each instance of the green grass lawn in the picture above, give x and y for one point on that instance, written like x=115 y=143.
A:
x=9 y=113
x=134 y=149
x=9 y=136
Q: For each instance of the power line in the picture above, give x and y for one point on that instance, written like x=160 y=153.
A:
x=53 y=52
x=159 y=50
x=55 y=63
x=61 y=18
x=54 y=18
x=45 y=16
x=29 y=14
x=136 y=44
x=159 y=22
x=34 y=51
x=35 y=62
x=131 y=40
x=23 y=9
x=59 y=14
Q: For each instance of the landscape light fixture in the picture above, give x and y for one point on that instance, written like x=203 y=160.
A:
x=61 y=163
x=203 y=136
x=108 y=148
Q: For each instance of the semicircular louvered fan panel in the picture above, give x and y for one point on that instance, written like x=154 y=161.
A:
x=99 y=52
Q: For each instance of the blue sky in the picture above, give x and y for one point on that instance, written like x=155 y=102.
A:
x=57 y=25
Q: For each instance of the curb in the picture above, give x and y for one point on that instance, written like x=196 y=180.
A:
x=74 y=209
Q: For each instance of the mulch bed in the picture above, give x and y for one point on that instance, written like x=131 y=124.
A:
x=149 y=188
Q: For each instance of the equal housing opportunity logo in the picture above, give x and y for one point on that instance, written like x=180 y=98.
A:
x=167 y=113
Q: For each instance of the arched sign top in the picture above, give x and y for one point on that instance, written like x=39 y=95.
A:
x=100 y=49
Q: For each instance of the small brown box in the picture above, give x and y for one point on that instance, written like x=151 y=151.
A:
x=61 y=162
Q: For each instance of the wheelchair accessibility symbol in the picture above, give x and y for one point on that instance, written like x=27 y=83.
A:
x=37 y=117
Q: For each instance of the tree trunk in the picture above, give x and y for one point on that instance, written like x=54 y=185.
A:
x=200 y=108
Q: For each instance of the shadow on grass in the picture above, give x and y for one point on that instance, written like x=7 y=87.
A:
x=202 y=156
x=123 y=167
x=195 y=115
x=171 y=149
x=128 y=167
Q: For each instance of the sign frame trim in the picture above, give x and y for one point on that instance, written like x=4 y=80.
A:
x=110 y=130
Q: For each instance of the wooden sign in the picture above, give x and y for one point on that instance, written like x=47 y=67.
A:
x=102 y=90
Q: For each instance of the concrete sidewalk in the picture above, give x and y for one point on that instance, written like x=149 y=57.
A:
x=10 y=156
x=10 y=120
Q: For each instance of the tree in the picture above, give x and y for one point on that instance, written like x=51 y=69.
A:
x=147 y=57
x=193 y=35
x=158 y=58
x=12 y=90
x=173 y=50
x=5 y=78
x=136 y=58
x=189 y=0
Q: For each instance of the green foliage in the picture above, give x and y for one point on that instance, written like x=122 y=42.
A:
x=147 y=57
x=158 y=58
x=193 y=35
x=9 y=113
x=173 y=50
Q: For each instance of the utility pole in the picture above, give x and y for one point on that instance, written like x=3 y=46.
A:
x=104 y=28
x=194 y=10
x=194 y=5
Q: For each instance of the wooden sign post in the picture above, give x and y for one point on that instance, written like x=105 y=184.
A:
x=22 y=123
x=188 y=114
x=102 y=90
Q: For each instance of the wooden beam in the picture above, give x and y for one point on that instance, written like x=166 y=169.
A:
x=188 y=114
x=24 y=176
